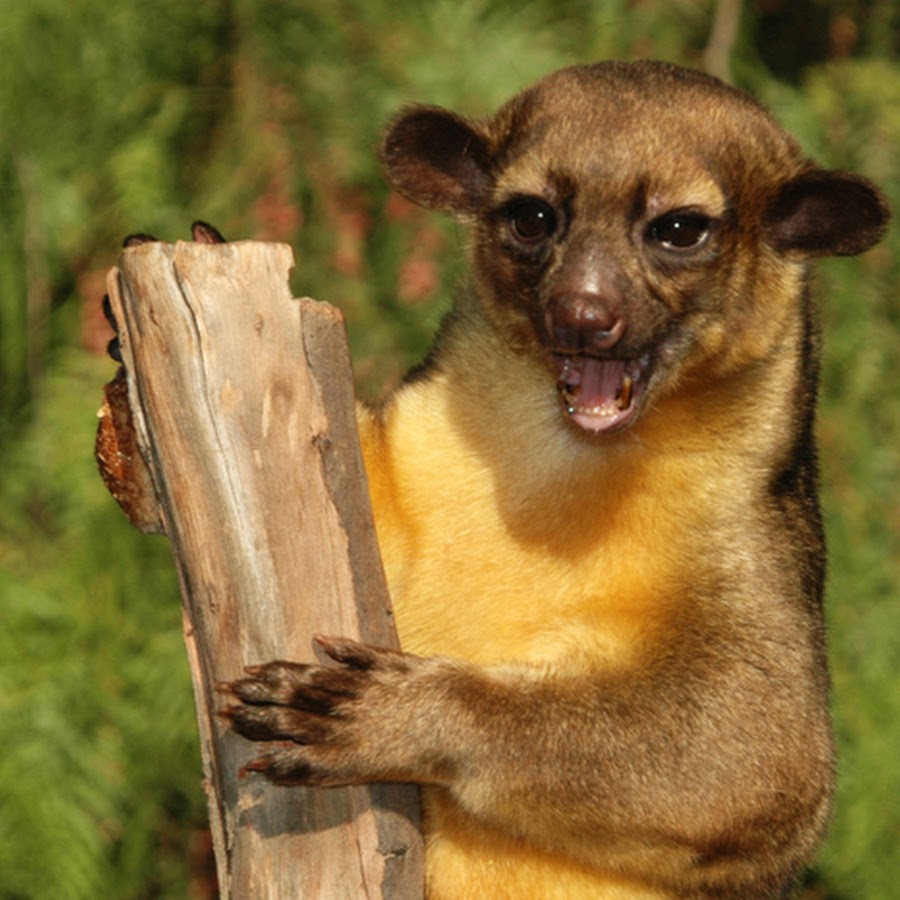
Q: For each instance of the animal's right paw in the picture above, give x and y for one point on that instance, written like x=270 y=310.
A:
x=201 y=232
x=121 y=463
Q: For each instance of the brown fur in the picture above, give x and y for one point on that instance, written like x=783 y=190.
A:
x=613 y=590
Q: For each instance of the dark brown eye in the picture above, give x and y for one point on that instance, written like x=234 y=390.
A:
x=531 y=220
x=680 y=230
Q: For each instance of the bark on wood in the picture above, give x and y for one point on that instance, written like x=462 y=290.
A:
x=243 y=409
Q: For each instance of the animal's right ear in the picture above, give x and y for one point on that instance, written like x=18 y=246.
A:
x=437 y=159
x=821 y=213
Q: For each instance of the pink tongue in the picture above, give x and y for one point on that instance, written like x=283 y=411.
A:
x=599 y=384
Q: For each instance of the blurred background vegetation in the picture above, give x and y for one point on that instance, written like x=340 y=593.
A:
x=263 y=117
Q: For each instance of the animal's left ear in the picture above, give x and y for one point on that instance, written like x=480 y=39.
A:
x=822 y=213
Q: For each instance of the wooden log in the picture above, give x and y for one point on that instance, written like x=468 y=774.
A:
x=243 y=410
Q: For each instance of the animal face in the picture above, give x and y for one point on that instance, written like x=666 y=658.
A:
x=628 y=220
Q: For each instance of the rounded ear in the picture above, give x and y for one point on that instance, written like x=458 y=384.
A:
x=437 y=159
x=827 y=214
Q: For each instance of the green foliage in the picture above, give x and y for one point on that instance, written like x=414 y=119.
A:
x=264 y=118
x=100 y=760
x=856 y=111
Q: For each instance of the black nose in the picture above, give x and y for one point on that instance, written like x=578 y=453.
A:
x=583 y=323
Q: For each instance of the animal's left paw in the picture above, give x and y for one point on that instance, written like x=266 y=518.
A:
x=326 y=718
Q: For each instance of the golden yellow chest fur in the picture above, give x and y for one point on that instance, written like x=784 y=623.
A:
x=574 y=558
x=476 y=575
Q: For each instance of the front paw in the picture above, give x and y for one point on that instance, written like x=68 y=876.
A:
x=122 y=465
x=201 y=232
x=325 y=718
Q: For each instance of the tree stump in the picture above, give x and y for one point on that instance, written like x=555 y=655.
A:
x=240 y=406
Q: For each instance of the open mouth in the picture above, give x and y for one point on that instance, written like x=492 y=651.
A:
x=601 y=394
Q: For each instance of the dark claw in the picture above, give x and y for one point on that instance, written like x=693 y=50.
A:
x=283 y=768
x=347 y=652
x=261 y=764
x=253 y=723
x=108 y=313
x=204 y=233
x=138 y=238
x=113 y=348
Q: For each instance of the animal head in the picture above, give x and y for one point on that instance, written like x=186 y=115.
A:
x=628 y=219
